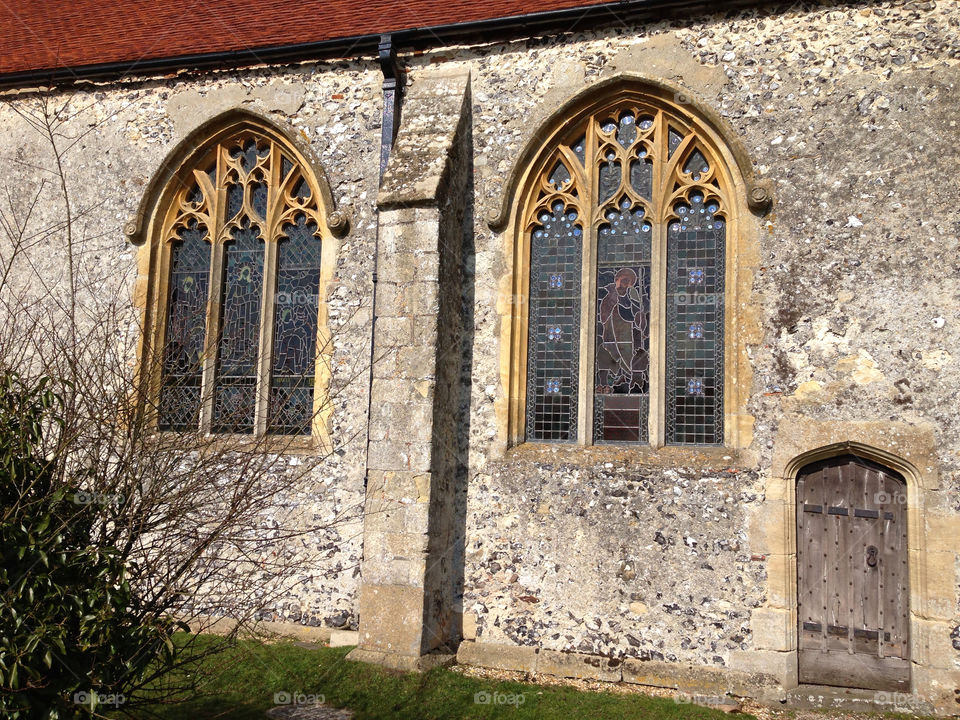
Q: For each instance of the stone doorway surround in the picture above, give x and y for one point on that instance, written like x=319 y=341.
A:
x=933 y=543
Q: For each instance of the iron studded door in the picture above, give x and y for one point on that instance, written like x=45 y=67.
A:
x=852 y=579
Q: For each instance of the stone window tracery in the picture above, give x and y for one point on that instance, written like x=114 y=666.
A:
x=627 y=227
x=240 y=291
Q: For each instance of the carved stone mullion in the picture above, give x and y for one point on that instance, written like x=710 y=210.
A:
x=265 y=356
x=276 y=214
x=214 y=295
x=154 y=352
x=276 y=197
x=592 y=157
x=656 y=410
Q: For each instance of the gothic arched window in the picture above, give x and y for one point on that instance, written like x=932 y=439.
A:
x=240 y=257
x=622 y=233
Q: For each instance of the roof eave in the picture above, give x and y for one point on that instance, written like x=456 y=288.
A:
x=510 y=27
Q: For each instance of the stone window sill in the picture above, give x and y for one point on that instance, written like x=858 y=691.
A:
x=688 y=456
x=304 y=446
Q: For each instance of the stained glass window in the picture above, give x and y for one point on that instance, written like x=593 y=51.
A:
x=295 y=328
x=622 y=377
x=695 y=251
x=243 y=292
x=630 y=192
x=186 y=328
x=238 y=344
x=555 y=323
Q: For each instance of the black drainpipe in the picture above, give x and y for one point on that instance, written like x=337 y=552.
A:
x=392 y=91
x=392 y=95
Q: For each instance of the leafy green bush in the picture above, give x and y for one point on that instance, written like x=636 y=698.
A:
x=75 y=638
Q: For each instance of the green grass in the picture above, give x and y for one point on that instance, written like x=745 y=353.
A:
x=240 y=684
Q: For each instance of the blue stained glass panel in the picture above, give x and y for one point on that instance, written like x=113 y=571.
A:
x=626 y=130
x=560 y=176
x=696 y=165
x=641 y=176
x=234 y=200
x=579 y=148
x=258 y=199
x=674 y=139
x=250 y=153
x=301 y=189
x=295 y=329
x=285 y=167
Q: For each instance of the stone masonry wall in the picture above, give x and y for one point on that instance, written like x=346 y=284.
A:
x=444 y=576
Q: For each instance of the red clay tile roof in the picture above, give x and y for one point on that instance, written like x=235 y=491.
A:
x=47 y=34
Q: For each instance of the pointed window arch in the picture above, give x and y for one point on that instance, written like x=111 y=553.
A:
x=241 y=233
x=622 y=229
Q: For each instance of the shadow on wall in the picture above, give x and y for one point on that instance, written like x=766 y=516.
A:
x=451 y=415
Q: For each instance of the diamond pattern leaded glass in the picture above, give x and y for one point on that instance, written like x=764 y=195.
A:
x=552 y=379
x=245 y=193
x=695 y=261
x=639 y=182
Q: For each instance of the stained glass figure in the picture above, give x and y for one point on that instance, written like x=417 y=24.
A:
x=185 y=329
x=622 y=363
x=238 y=344
x=695 y=264
x=553 y=352
x=295 y=329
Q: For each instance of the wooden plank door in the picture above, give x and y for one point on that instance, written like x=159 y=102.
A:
x=852 y=580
